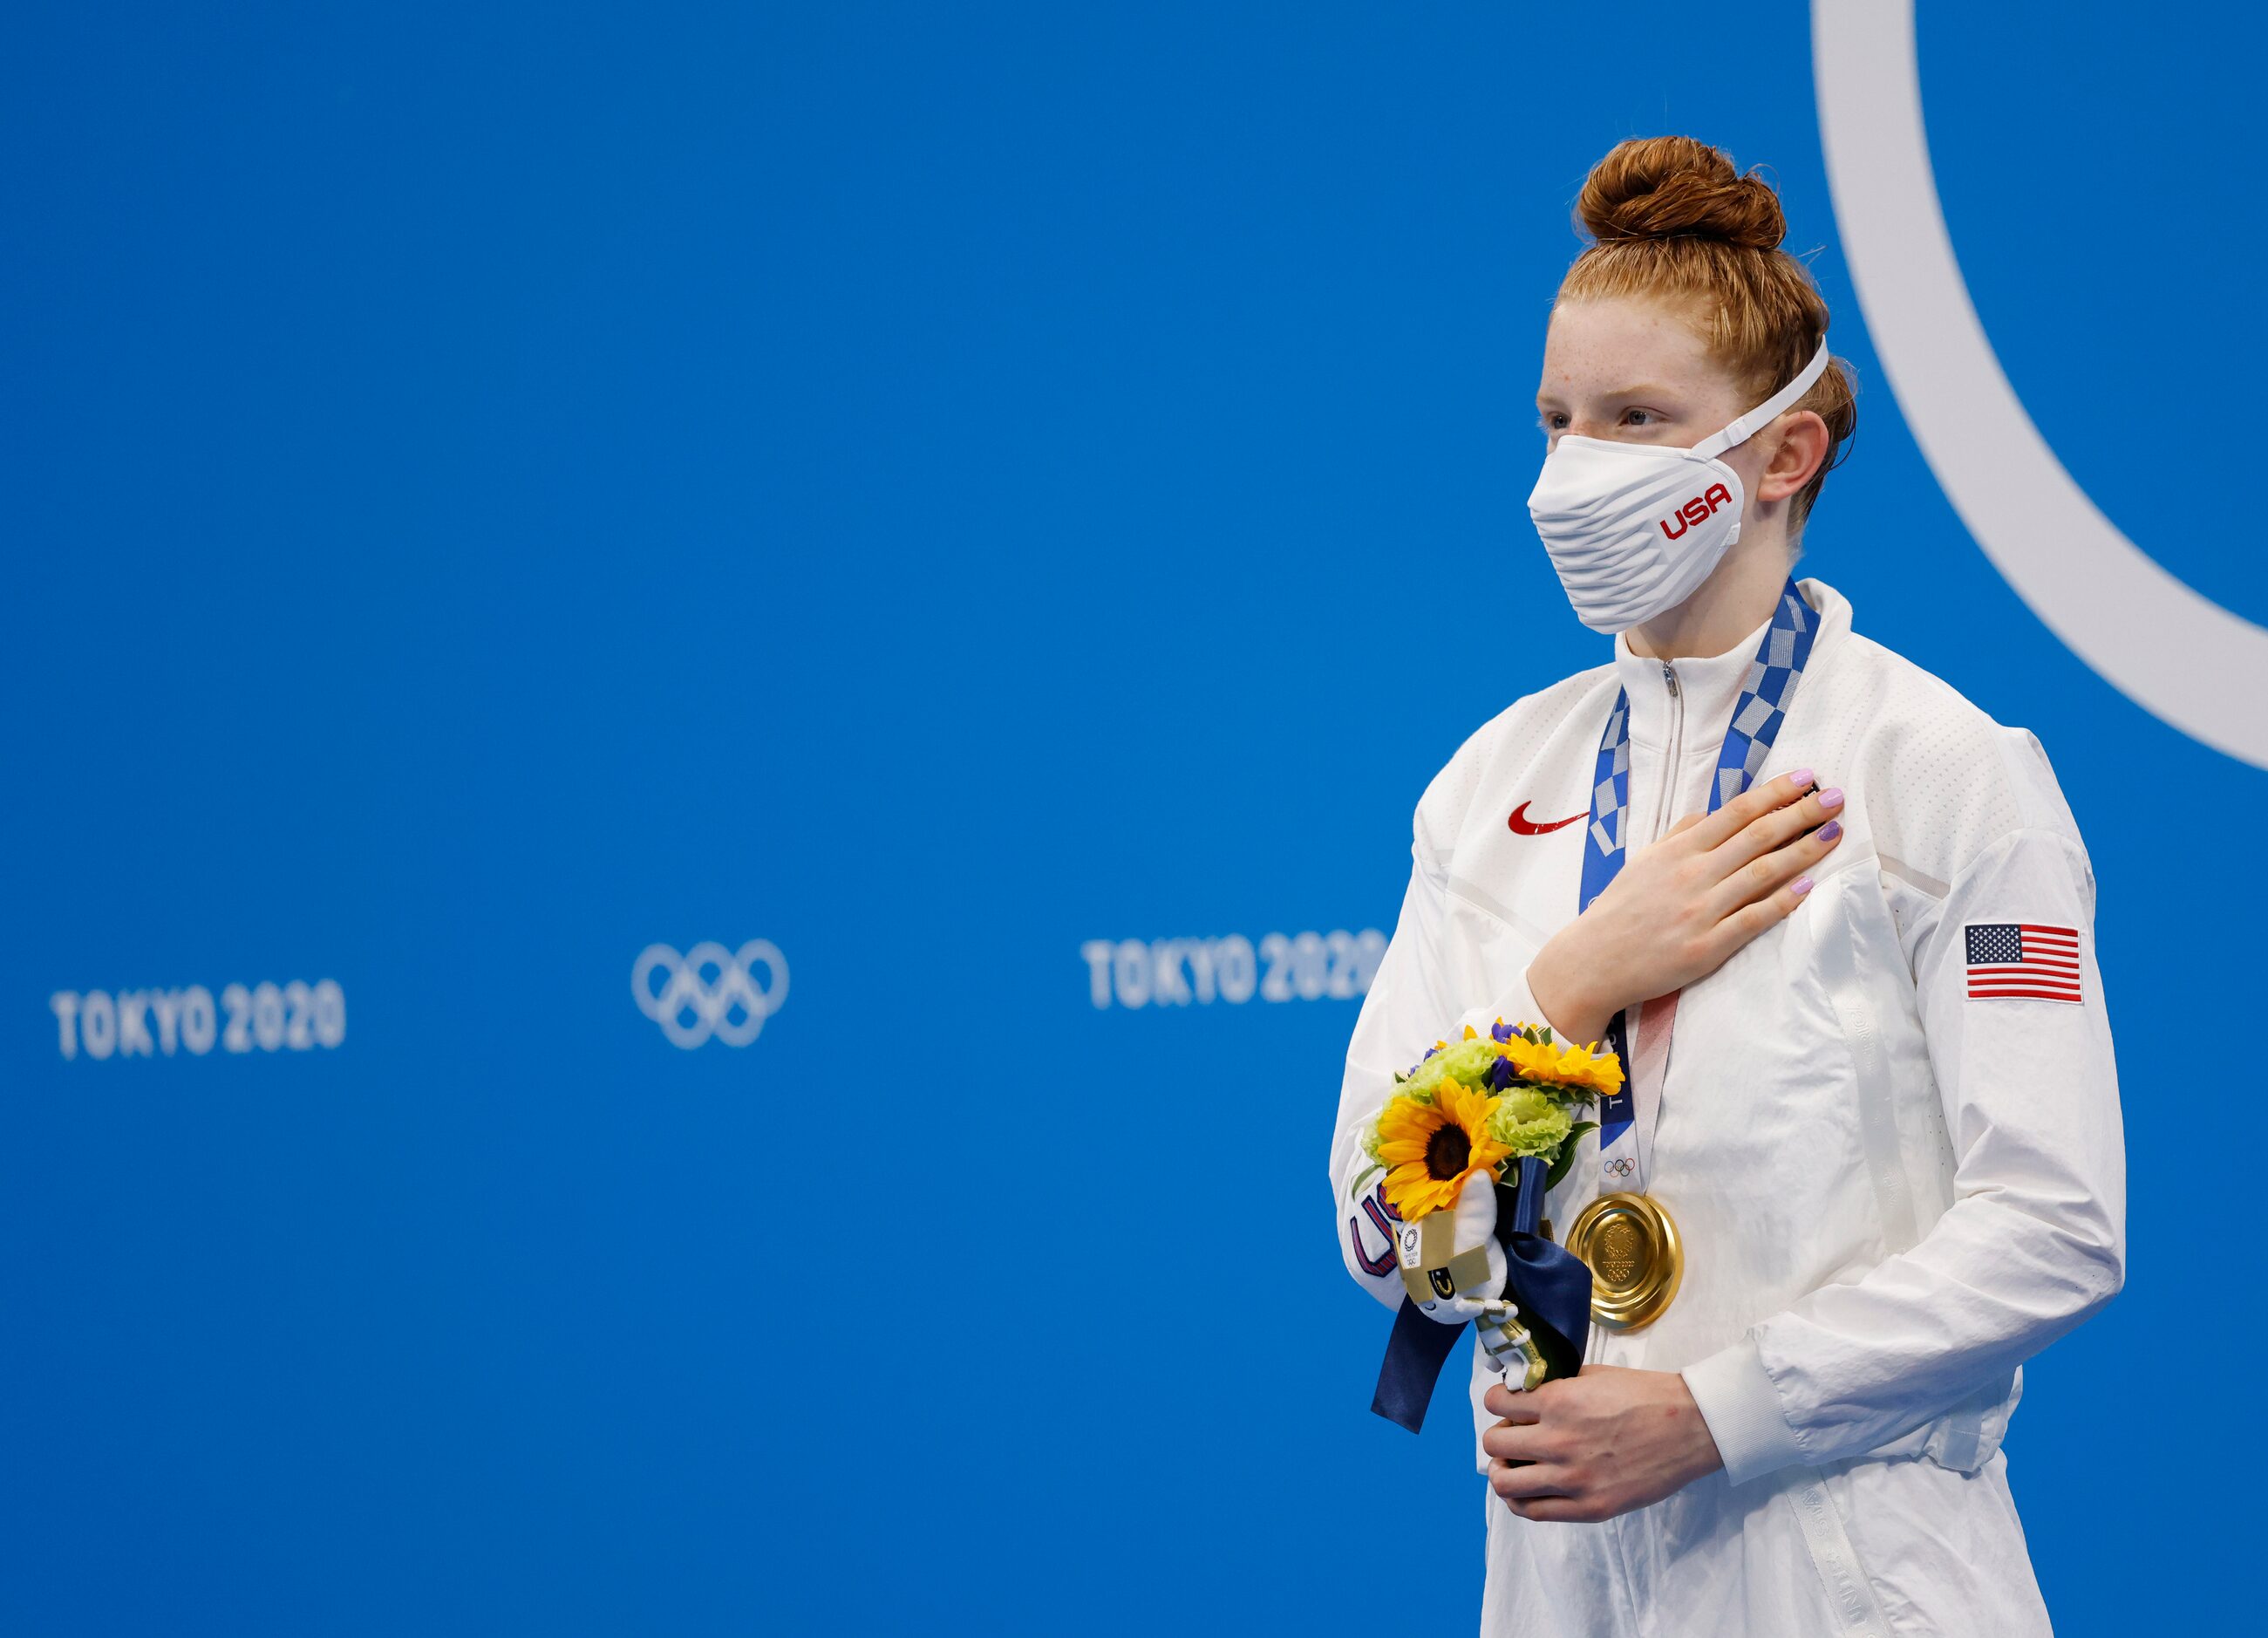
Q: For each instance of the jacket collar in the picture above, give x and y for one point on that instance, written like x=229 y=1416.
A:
x=1708 y=688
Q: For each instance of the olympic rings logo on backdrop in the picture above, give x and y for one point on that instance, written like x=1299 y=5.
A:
x=710 y=992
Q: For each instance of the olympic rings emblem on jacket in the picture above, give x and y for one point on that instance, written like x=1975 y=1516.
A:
x=709 y=991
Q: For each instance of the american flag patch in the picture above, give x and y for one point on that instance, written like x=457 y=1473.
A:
x=2015 y=959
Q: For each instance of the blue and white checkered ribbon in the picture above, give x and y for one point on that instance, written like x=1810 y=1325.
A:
x=1765 y=697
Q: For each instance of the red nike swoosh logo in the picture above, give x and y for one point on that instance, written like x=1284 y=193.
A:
x=1522 y=825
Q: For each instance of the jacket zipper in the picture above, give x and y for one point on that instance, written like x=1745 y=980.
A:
x=1676 y=756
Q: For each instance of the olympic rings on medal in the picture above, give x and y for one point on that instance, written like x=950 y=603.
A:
x=709 y=991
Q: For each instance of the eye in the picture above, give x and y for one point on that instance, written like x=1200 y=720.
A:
x=1639 y=418
x=1552 y=421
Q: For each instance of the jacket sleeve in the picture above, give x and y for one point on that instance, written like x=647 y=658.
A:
x=1401 y=1014
x=1412 y=1003
x=2034 y=1240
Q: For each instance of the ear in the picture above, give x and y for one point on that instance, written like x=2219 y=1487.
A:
x=1801 y=448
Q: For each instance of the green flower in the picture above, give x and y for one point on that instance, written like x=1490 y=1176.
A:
x=1418 y=1088
x=1528 y=1123
x=1467 y=1062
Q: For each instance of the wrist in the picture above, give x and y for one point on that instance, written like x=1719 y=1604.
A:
x=1555 y=979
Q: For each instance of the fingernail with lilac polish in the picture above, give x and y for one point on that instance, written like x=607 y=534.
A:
x=1828 y=831
x=1831 y=797
x=1802 y=776
x=1803 y=886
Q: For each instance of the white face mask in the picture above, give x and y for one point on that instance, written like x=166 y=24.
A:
x=1633 y=529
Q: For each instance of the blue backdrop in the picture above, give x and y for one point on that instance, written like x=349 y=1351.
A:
x=947 y=491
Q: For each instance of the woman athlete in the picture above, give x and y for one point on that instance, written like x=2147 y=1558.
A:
x=1845 y=921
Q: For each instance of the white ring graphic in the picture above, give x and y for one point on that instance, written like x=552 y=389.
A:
x=2176 y=653
x=710 y=1002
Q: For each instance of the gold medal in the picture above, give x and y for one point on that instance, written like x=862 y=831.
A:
x=1632 y=1248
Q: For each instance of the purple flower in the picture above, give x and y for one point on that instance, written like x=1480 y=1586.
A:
x=1501 y=1074
x=1502 y=1030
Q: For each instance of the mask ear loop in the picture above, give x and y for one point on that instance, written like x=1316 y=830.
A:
x=1741 y=429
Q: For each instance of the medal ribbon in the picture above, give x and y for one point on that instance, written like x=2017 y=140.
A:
x=1626 y=1142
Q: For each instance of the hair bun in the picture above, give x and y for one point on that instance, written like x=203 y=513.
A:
x=1665 y=186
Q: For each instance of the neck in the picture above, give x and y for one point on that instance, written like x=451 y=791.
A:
x=1732 y=603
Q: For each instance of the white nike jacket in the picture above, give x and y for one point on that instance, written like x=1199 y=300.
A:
x=1892 y=1187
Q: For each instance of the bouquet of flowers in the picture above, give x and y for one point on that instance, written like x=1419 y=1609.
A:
x=1498 y=1112
x=1481 y=1105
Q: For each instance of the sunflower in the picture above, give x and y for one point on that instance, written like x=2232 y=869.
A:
x=1579 y=1069
x=1434 y=1148
x=1588 y=1066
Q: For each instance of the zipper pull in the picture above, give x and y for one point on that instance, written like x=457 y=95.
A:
x=1669 y=679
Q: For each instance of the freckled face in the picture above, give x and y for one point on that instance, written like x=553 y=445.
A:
x=1635 y=371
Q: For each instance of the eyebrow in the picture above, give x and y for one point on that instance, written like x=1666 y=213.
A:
x=1643 y=389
